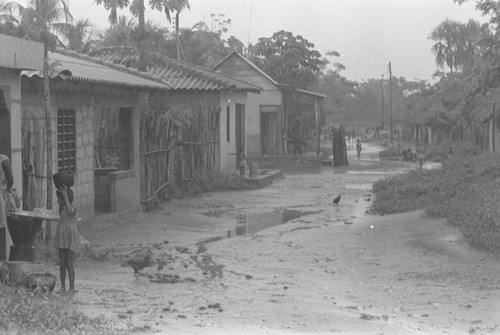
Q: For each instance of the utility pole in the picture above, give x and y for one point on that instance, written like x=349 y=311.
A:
x=390 y=95
x=383 y=102
x=493 y=128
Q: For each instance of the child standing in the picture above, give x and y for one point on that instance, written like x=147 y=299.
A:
x=67 y=238
x=242 y=161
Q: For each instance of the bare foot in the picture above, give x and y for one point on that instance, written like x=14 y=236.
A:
x=62 y=291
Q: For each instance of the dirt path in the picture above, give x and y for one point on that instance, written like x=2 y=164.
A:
x=334 y=269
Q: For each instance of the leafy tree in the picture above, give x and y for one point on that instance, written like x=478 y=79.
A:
x=204 y=44
x=288 y=59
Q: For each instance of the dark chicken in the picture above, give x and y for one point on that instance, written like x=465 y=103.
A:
x=337 y=200
x=140 y=262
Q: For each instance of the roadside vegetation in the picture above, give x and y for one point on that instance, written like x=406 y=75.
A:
x=25 y=312
x=464 y=191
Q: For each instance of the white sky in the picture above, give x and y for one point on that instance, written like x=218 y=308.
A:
x=368 y=34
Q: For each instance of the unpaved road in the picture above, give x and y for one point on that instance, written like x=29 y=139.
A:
x=334 y=270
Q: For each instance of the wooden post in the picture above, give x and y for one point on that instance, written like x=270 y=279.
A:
x=318 y=127
x=493 y=128
x=48 y=118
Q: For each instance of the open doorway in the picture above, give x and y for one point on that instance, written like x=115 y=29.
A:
x=269 y=130
x=5 y=145
x=240 y=129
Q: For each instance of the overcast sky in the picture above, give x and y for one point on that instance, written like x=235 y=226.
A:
x=368 y=34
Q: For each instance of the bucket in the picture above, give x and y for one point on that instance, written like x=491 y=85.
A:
x=65 y=177
x=254 y=169
x=19 y=269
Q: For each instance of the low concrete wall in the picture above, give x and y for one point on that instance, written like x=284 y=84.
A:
x=124 y=193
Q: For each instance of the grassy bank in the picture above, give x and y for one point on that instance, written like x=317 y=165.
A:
x=465 y=191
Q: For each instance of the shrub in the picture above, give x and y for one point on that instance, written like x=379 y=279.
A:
x=464 y=191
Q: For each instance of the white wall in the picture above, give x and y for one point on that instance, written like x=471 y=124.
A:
x=254 y=101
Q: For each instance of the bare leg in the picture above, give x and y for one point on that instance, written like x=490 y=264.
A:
x=62 y=269
x=71 y=270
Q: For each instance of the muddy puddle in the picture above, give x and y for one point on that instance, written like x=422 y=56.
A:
x=251 y=223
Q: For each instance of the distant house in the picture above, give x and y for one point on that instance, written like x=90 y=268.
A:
x=15 y=55
x=267 y=115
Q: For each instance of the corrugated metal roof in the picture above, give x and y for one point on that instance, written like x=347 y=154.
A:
x=73 y=66
x=179 y=75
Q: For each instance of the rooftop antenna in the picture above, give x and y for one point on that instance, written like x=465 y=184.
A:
x=249 y=24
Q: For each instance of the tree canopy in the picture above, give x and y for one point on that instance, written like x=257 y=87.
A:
x=289 y=59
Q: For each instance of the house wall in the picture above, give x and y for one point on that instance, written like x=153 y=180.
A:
x=215 y=98
x=16 y=53
x=85 y=100
x=237 y=68
x=10 y=83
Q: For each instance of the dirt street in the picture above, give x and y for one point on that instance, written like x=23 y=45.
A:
x=328 y=270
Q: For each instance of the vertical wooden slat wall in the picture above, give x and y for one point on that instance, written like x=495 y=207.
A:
x=176 y=148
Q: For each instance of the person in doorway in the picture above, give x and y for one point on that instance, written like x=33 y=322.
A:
x=358 y=148
x=67 y=238
x=6 y=183
x=242 y=161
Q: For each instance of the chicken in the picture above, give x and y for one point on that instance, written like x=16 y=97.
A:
x=337 y=200
x=140 y=262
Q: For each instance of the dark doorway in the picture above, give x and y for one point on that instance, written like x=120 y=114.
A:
x=240 y=129
x=124 y=138
x=5 y=145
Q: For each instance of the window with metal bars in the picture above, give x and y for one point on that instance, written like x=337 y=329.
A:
x=66 y=140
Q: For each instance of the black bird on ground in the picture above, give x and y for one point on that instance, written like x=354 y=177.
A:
x=337 y=200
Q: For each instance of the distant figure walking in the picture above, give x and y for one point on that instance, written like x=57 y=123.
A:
x=358 y=148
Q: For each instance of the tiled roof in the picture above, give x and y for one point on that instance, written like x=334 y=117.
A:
x=80 y=67
x=180 y=75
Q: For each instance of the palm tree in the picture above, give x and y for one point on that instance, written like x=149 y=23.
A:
x=176 y=6
x=38 y=17
x=119 y=33
x=77 y=35
x=137 y=9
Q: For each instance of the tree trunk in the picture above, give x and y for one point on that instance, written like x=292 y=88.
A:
x=177 y=41
x=339 y=147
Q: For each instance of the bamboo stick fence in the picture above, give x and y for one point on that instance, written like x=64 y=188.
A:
x=177 y=145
